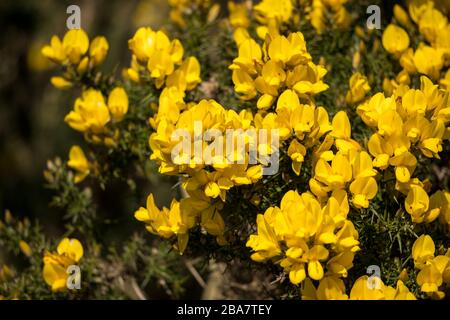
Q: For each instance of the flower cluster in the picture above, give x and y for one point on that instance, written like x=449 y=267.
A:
x=91 y=114
x=271 y=15
x=430 y=57
x=281 y=63
x=306 y=239
x=76 y=55
x=434 y=270
x=347 y=189
x=364 y=288
x=213 y=164
x=408 y=124
x=157 y=57
x=349 y=168
x=68 y=253
x=181 y=217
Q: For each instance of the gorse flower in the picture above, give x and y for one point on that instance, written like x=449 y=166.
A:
x=318 y=239
x=332 y=288
x=156 y=56
x=76 y=55
x=407 y=124
x=292 y=161
x=395 y=39
x=359 y=86
x=167 y=222
x=428 y=58
x=434 y=270
x=91 y=114
x=78 y=162
x=287 y=64
x=118 y=103
x=68 y=253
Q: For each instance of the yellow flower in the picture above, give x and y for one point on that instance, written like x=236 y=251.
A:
x=423 y=250
x=395 y=39
x=25 y=248
x=310 y=235
x=143 y=43
x=90 y=112
x=75 y=44
x=416 y=203
x=61 y=83
x=317 y=15
x=54 y=51
x=238 y=15
x=98 y=50
x=156 y=52
x=187 y=76
x=78 y=162
x=402 y=16
x=431 y=23
x=363 y=190
x=5 y=273
x=69 y=252
x=434 y=271
x=167 y=222
x=359 y=86
x=265 y=242
x=330 y=288
x=428 y=61
x=336 y=175
x=297 y=152
x=342 y=133
x=364 y=290
x=442 y=199
x=249 y=56
x=118 y=103
x=275 y=10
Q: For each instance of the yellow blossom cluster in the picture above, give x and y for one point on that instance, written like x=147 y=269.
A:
x=348 y=169
x=157 y=57
x=230 y=164
x=306 y=238
x=218 y=164
x=311 y=218
x=364 y=288
x=76 y=54
x=430 y=58
x=182 y=216
x=91 y=114
x=409 y=124
x=273 y=15
x=434 y=270
x=281 y=63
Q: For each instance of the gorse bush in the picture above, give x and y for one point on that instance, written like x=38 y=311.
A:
x=302 y=147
